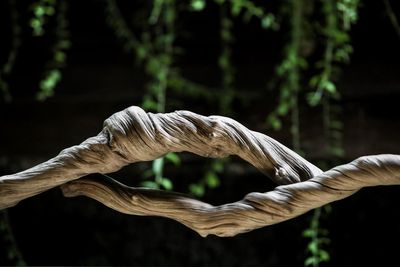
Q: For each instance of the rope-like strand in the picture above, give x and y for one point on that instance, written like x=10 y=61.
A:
x=255 y=210
x=133 y=135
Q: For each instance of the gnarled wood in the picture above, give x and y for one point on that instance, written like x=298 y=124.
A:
x=255 y=210
x=133 y=135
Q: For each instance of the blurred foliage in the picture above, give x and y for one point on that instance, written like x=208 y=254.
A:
x=210 y=180
x=289 y=72
x=42 y=11
x=225 y=62
x=53 y=72
x=319 y=238
x=8 y=66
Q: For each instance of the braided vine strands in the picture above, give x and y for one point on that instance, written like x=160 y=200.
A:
x=133 y=135
x=255 y=210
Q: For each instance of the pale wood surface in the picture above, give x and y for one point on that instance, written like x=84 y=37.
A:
x=133 y=135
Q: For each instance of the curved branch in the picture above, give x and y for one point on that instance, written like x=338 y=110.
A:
x=133 y=135
x=255 y=210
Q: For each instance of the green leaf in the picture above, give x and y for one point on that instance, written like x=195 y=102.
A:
x=173 y=158
x=166 y=183
x=150 y=184
x=158 y=166
x=314 y=98
x=39 y=11
x=198 y=5
x=324 y=255
x=330 y=87
x=212 y=180
x=283 y=108
x=268 y=21
x=308 y=233
x=149 y=104
x=236 y=7
x=197 y=189
x=274 y=122
x=310 y=261
x=258 y=12
x=313 y=247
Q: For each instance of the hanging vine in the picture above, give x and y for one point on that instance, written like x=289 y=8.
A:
x=158 y=66
x=290 y=71
x=42 y=11
x=144 y=52
x=339 y=15
x=225 y=62
x=211 y=178
x=53 y=73
x=247 y=10
x=8 y=66
x=338 y=18
x=319 y=237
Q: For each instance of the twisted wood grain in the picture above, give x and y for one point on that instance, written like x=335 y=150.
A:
x=133 y=135
x=255 y=210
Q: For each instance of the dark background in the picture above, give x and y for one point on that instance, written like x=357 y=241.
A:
x=101 y=79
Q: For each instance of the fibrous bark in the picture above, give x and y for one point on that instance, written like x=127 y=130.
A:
x=133 y=135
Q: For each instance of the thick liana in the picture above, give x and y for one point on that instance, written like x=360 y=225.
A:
x=133 y=135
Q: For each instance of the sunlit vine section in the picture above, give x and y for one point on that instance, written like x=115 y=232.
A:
x=8 y=66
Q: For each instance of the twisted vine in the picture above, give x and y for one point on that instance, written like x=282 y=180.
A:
x=133 y=135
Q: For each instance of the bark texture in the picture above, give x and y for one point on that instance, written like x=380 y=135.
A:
x=133 y=135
